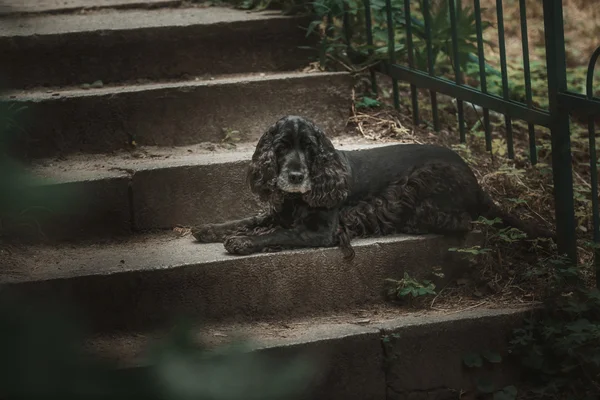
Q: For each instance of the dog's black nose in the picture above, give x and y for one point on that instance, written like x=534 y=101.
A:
x=296 y=177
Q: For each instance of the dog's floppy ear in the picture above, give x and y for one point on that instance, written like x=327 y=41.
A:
x=263 y=169
x=328 y=174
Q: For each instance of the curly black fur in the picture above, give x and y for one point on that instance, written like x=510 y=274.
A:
x=329 y=179
x=323 y=197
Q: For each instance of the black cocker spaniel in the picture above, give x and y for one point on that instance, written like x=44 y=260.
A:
x=322 y=197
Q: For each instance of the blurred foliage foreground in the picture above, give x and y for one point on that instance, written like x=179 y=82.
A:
x=43 y=357
x=42 y=350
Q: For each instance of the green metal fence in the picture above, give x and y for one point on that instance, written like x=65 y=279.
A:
x=562 y=102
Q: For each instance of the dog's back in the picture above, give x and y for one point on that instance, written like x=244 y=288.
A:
x=373 y=170
x=433 y=184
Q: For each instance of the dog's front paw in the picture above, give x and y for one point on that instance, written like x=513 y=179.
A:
x=206 y=234
x=240 y=245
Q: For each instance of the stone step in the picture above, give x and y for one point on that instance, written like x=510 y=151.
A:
x=98 y=196
x=166 y=43
x=377 y=353
x=177 y=113
x=11 y=7
x=149 y=280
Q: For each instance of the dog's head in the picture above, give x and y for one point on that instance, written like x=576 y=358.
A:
x=295 y=157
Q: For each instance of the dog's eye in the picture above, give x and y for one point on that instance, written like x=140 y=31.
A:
x=280 y=150
x=308 y=142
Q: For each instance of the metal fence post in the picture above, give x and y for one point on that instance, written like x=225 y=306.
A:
x=559 y=126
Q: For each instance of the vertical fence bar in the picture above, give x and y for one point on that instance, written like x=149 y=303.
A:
x=392 y=50
x=347 y=26
x=527 y=76
x=430 y=68
x=562 y=169
x=504 y=70
x=457 y=72
x=369 y=28
x=411 y=61
x=482 y=74
x=593 y=161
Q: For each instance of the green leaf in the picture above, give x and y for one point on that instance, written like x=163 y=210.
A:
x=485 y=385
x=312 y=26
x=580 y=325
x=507 y=393
x=367 y=102
x=492 y=357
x=473 y=360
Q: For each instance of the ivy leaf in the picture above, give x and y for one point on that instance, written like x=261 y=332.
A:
x=312 y=26
x=492 y=357
x=485 y=385
x=576 y=308
x=367 y=102
x=580 y=325
x=473 y=360
x=507 y=393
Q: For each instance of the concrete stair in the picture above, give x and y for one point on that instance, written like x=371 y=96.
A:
x=164 y=142
x=367 y=353
x=73 y=49
x=13 y=7
x=151 y=188
x=69 y=120
x=153 y=278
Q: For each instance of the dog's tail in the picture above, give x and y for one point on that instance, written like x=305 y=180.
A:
x=491 y=211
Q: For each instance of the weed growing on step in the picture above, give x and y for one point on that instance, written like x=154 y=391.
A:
x=231 y=137
x=367 y=102
x=409 y=289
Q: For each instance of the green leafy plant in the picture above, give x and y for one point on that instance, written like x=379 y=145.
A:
x=506 y=393
x=473 y=360
x=42 y=357
x=560 y=349
x=483 y=383
x=343 y=34
x=367 y=102
x=559 y=346
x=476 y=360
x=441 y=34
x=231 y=136
x=409 y=287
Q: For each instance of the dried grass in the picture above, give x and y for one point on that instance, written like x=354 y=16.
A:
x=582 y=28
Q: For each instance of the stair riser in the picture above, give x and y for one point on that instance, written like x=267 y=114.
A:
x=271 y=285
x=11 y=7
x=413 y=357
x=71 y=212
x=347 y=368
x=430 y=357
x=170 y=52
x=148 y=199
x=136 y=195
x=106 y=120
x=420 y=361
x=188 y=196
